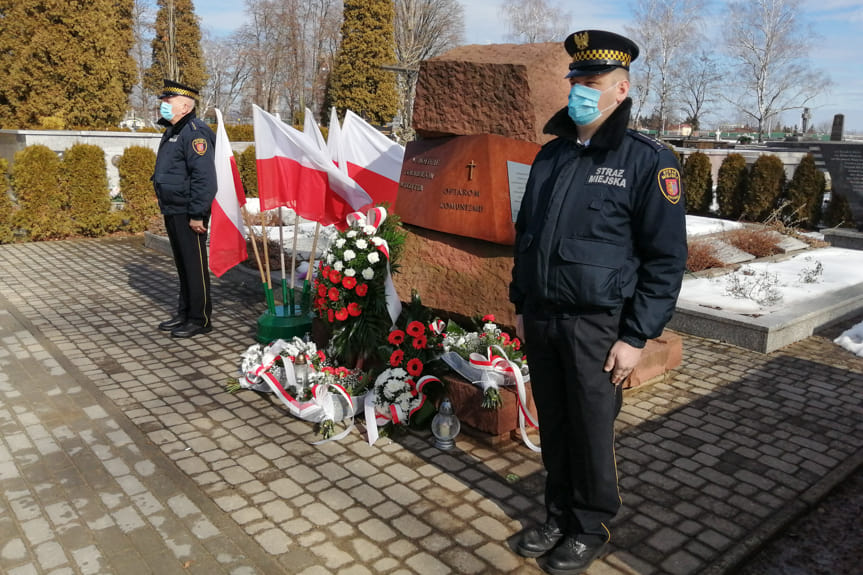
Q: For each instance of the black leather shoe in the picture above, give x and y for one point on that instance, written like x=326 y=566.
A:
x=172 y=323
x=536 y=541
x=572 y=556
x=189 y=329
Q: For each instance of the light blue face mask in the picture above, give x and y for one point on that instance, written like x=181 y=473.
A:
x=167 y=111
x=584 y=104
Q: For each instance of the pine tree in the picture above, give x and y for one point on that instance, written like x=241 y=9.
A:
x=698 y=183
x=358 y=81
x=177 y=53
x=766 y=184
x=805 y=192
x=65 y=64
x=731 y=184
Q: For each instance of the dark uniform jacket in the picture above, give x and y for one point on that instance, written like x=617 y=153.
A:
x=602 y=227
x=185 y=174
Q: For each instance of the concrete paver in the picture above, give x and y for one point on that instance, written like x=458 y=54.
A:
x=121 y=453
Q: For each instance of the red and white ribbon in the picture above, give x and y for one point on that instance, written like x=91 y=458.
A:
x=376 y=418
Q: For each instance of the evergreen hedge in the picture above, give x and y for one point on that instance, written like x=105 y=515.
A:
x=247 y=166
x=698 y=184
x=731 y=185
x=766 y=185
x=136 y=166
x=805 y=193
x=85 y=184
x=42 y=206
x=838 y=214
x=7 y=232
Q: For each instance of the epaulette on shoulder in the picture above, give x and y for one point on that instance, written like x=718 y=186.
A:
x=654 y=143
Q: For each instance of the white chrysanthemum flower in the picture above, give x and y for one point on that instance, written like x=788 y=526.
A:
x=338 y=266
x=393 y=388
x=369 y=230
x=349 y=255
x=378 y=241
x=330 y=258
x=373 y=257
x=368 y=274
x=362 y=244
x=351 y=234
x=350 y=272
x=340 y=243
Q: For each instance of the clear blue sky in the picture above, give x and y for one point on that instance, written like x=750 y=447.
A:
x=838 y=51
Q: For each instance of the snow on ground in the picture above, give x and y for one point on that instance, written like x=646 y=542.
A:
x=701 y=226
x=852 y=340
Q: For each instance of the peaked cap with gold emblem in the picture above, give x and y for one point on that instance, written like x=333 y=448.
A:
x=598 y=51
x=172 y=88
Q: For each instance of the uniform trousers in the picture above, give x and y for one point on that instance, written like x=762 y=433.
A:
x=576 y=404
x=190 y=257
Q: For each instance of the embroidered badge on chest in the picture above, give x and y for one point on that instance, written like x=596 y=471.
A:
x=669 y=183
x=200 y=146
x=615 y=177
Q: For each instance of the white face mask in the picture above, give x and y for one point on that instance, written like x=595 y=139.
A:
x=584 y=103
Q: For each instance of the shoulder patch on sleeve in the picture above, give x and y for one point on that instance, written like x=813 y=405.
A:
x=200 y=146
x=669 y=184
x=649 y=140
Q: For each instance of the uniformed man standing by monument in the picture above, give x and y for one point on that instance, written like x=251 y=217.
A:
x=599 y=259
x=185 y=184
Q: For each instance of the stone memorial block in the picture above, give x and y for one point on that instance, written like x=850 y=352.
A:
x=469 y=186
x=509 y=90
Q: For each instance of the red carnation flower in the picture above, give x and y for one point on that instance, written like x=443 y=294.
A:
x=505 y=337
x=516 y=343
x=416 y=328
x=396 y=337
x=320 y=303
x=322 y=290
x=489 y=317
x=342 y=314
x=331 y=316
x=333 y=294
x=321 y=355
x=354 y=309
x=349 y=282
x=420 y=342
x=362 y=290
x=415 y=367
x=396 y=358
x=335 y=277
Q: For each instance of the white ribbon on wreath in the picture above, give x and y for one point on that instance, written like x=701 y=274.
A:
x=374 y=218
x=375 y=418
x=322 y=405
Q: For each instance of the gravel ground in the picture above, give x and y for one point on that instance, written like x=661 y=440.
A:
x=826 y=541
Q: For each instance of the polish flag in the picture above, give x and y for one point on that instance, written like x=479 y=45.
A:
x=333 y=138
x=372 y=159
x=294 y=172
x=227 y=232
x=311 y=129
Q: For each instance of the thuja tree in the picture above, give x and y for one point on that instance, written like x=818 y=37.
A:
x=805 y=192
x=135 y=168
x=248 y=168
x=358 y=81
x=86 y=185
x=698 y=183
x=176 y=46
x=766 y=184
x=42 y=206
x=838 y=212
x=6 y=206
x=732 y=182
x=65 y=64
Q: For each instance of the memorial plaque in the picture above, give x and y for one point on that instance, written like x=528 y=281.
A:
x=465 y=185
x=845 y=163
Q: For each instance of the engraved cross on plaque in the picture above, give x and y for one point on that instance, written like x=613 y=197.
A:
x=470 y=168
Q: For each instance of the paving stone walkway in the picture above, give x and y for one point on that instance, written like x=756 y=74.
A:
x=121 y=453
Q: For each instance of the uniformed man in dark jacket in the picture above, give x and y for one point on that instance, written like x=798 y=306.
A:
x=599 y=259
x=185 y=184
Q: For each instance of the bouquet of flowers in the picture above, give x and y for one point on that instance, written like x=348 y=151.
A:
x=350 y=286
x=303 y=379
x=485 y=357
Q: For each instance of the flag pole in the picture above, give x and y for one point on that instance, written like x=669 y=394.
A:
x=294 y=255
x=285 y=301
x=246 y=220
x=313 y=255
x=271 y=304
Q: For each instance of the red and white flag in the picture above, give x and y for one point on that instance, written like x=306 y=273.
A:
x=372 y=159
x=310 y=128
x=295 y=173
x=227 y=232
x=333 y=137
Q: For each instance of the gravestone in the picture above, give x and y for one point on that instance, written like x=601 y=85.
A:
x=469 y=186
x=838 y=128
